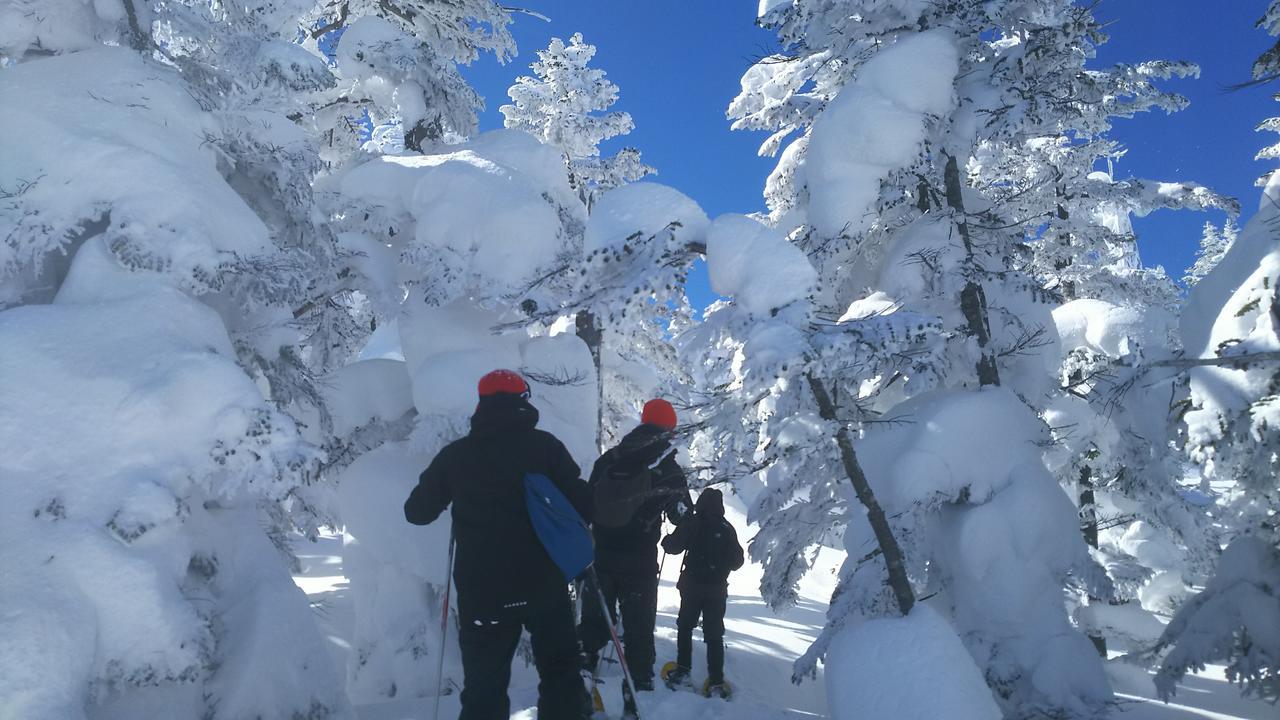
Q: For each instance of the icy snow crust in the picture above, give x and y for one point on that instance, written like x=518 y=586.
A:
x=132 y=142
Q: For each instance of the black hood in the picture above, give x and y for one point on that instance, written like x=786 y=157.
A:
x=645 y=444
x=711 y=503
x=502 y=413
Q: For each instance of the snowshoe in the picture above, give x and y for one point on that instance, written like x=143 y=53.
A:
x=720 y=690
x=629 y=710
x=592 y=683
x=676 y=677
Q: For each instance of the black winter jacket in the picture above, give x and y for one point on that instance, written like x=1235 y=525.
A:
x=633 y=548
x=709 y=542
x=499 y=563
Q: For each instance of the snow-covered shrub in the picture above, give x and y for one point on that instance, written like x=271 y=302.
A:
x=1235 y=618
x=137 y=456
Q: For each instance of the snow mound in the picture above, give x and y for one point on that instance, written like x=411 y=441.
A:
x=639 y=210
x=905 y=667
x=1109 y=329
x=367 y=391
x=396 y=572
x=448 y=349
x=136 y=454
x=957 y=446
x=1206 y=318
x=1242 y=600
x=103 y=137
x=874 y=126
x=482 y=217
x=756 y=265
x=57 y=25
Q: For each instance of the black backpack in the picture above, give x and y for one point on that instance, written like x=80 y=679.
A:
x=712 y=551
x=620 y=490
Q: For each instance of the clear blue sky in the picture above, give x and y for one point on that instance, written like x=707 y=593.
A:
x=678 y=64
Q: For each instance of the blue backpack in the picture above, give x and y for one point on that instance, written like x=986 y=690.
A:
x=560 y=529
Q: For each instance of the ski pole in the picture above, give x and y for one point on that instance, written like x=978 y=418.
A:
x=444 y=630
x=613 y=634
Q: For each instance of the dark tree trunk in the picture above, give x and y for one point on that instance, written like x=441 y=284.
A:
x=589 y=329
x=1089 y=527
x=897 y=570
x=973 y=301
x=139 y=37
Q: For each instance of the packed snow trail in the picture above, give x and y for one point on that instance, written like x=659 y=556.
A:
x=760 y=646
x=760 y=649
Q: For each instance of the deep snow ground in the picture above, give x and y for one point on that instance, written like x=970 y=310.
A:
x=761 y=648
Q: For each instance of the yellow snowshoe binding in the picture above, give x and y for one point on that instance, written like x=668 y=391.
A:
x=722 y=690
x=675 y=677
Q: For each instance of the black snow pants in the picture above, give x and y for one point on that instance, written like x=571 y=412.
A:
x=707 y=601
x=488 y=645
x=636 y=597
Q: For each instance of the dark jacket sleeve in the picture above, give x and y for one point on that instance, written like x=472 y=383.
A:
x=431 y=496
x=678 y=541
x=567 y=476
x=733 y=555
x=676 y=484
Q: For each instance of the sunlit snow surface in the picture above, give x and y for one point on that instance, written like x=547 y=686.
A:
x=761 y=648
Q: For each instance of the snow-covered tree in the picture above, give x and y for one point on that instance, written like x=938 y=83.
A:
x=138 y=264
x=1230 y=327
x=1214 y=243
x=462 y=240
x=943 y=156
x=397 y=66
x=565 y=104
x=1231 y=331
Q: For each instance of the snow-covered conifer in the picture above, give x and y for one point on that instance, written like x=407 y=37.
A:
x=927 y=152
x=397 y=63
x=1232 y=338
x=559 y=105
x=1214 y=243
x=135 y=265
x=461 y=243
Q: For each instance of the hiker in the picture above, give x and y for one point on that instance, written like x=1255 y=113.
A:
x=505 y=578
x=633 y=485
x=711 y=552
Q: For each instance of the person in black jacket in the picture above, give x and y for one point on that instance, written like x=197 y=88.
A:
x=711 y=552
x=506 y=581
x=627 y=556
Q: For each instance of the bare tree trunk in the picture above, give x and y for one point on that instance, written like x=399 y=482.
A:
x=589 y=329
x=893 y=562
x=973 y=301
x=1089 y=526
x=139 y=37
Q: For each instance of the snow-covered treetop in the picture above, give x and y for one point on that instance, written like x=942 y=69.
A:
x=556 y=106
x=1266 y=69
x=564 y=105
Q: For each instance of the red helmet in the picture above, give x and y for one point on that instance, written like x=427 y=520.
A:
x=503 y=381
x=660 y=413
